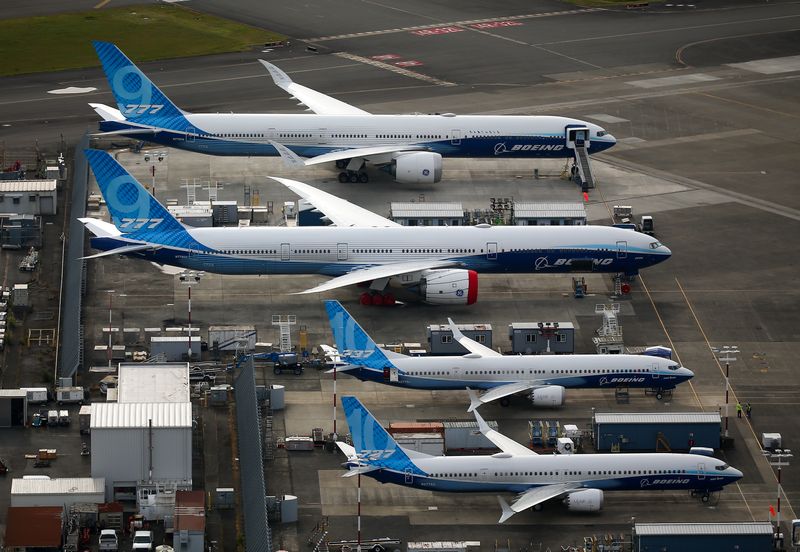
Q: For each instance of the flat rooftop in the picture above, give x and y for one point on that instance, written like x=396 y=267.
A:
x=153 y=383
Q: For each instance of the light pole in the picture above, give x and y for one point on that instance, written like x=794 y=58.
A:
x=153 y=158
x=726 y=354
x=778 y=458
x=190 y=278
x=109 y=352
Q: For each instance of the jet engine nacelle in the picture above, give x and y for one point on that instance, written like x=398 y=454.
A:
x=451 y=286
x=417 y=167
x=551 y=395
x=587 y=500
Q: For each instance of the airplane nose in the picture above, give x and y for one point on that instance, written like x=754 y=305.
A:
x=736 y=473
x=688 y=373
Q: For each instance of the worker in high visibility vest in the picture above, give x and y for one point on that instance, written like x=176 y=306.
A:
x=738 y=409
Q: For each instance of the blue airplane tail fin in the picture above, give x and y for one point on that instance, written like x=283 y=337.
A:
x=353 y=343
x=134 y=211
x=374 y=445
x=138 y=98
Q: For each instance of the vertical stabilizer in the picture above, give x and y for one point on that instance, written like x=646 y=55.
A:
x=138 y=98
x=374 y=445
x=353 y=343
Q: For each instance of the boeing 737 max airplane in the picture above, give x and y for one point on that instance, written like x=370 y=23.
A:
x=410 y=147
x=580 y=479
x=439 y=263
x=543 y=377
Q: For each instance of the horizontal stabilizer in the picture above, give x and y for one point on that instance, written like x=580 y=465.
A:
x=121 y=251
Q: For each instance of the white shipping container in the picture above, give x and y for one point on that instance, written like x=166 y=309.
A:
x=69 y=394
x=36 y=394
x=428 y=443
x=467 y=436
x=297 y=442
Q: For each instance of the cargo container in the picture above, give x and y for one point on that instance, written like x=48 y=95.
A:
x=37 y=395
x=85 y=418
x=69 y=395
x=297 y=442
x=465 y=435
x=428 y=443
x=416 y=427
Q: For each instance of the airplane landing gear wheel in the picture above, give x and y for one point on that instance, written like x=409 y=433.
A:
x=343 y=177
x=363 y=177
x=353 y=177
x=659 y=395
x=341 y=164
x=505 y=401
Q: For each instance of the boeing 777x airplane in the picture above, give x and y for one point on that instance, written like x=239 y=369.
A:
x=410 y=147
x=544 y=378
x=579 y=479
x=440 y=264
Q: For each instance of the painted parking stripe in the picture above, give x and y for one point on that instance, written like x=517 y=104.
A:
x=394 y=69
x=438 y=31
x=771 y=66
x=672 y=81
x=455 y=24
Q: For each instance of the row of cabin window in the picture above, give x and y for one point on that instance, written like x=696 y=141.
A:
x=318 y=251
x=553 y=473
x=482 y=339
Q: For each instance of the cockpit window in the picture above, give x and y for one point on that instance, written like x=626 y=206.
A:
x=655 y=245
x=721 y=467
x=601 y=133
x=674 y=366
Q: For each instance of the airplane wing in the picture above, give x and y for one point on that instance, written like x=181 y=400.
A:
x=475 y=348
x=502 y=442
x=534 y=496
x=498 y=393
x=377 y=272
x=340 y=211
x=317 y=102
x=360 y=152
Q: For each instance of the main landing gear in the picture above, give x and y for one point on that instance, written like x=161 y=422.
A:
x=377 y=299
x=350 y=175
x=710 y=498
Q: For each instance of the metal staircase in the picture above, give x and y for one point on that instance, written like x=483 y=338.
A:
x=583 y=166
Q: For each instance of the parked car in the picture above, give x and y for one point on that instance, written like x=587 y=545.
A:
x=197 y=374
x=142 y=540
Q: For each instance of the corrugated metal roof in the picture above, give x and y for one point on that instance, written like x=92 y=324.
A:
x=60 y=486
x=153 y=383
x=171 y=338
x=535 y=326
x=467 y=424
x=530 y=209
x=27 y=186
x=742 y=528
x=461 y=327
x=426 y=209
x=39 y=526
x=137 y=415
x=657 y=418
x=13 y=393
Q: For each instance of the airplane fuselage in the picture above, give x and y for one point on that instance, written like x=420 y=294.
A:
x=569 y=371
x=612 y=472
x=334 y=251
x=309 y=135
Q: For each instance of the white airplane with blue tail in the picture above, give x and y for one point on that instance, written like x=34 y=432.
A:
x=579 y=479
x=438 y=264
x=543 y=378
x=410 y=147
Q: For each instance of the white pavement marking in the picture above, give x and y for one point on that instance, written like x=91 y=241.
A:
x=452 y=24
x=672 y=81
x=72 y=90
x=771 y=66
x=395 y=69
x=606 y=118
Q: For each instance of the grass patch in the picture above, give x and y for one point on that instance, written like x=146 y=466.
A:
x=144 y=33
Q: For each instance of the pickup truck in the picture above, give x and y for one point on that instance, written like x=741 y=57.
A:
x=108 y=540
x=142 y=540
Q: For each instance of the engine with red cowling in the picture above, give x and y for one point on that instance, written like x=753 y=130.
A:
x=450 y=286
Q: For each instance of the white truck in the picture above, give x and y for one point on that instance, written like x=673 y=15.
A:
x=69 y=395
x=108 y=540
x=142 y=540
